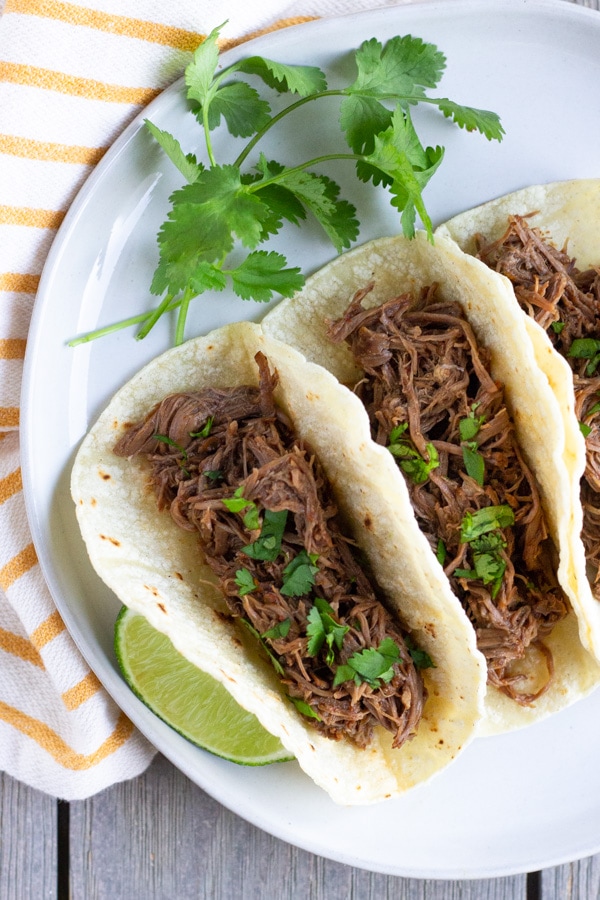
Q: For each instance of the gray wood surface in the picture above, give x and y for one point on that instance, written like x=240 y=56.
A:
x=159 y=837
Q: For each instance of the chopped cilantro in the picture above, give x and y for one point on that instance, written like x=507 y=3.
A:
x=370 y=665
x=238 y=503
x=298 y=575
x=281 y=630
x=421 y=658
x=585 y=429
x=273 y=659
x=483 y=520
x=165 y=439
x=441 y=552
x=474 y=461
x=470 y=425
x=213 y=474
x=305 y=709
x=206 y=430
x=268 y=543
x=323 y=628
x=586 y=348
x=244 y=581
x=409 y=459
x=482 y=531
x=557 y=327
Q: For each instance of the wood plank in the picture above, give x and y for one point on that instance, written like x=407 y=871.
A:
x=578 y=880
x=28 y=842
x=160 y=836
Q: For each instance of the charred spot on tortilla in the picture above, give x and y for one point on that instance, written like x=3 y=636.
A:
x=269 y=530
x=433 y=403
x=111 y=540
x=565 y=302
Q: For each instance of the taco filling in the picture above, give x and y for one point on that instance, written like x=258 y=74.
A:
x=228 y=466
x=565 y=302
x=432 y=401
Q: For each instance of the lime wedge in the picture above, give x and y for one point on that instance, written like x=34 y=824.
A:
x=190 y=701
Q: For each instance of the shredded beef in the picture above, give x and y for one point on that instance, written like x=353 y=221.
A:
x=423 y=370
x=251 y=445
x=566 y=303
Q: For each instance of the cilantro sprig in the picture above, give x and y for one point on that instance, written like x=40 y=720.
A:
x=229 y=205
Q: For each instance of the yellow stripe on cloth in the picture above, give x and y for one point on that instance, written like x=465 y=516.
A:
x=47 y=631
x=9 y=417
x=81 y=692
x=27 y=148
x=17 y=566
x=31 y=218
x=153 y=32
x=19 y=282
x=10 y=485
x=12 y=348
x=53 y=744
x=88 y=88
x=21 y=647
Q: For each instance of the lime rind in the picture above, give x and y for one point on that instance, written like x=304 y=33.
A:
x=190 y=701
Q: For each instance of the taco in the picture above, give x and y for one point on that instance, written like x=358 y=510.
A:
x=430 y=339
x=544 y=239
x=216 y=496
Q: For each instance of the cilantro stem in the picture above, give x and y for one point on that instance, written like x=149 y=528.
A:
x=188 y=296
x=154 y=317
x=118 y=326
x=280 y=115
x=285 y=173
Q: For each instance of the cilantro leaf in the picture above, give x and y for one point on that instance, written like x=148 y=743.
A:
x=281 y=630
x=323 y=628
x=200 y=72
x=187 y=164
x=268 y=543
x=474 y=462
x=298 y=575
x=471 y=119
x=483 y=520
x=586 y=348
x=302 y=80
x=238 y=503
x=370 y=665
x=305 y=709
x=262 y=274
x=399 y=153
x=409 y=459
x=274 y=661
x=470 y=425
x=404 y=66
x=244 y=581
x=205 y=430
x=320 y=195
x=242 y=108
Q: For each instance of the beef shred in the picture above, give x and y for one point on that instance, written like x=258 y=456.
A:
x=566 y=303
x=423 y=375
x=250 y=445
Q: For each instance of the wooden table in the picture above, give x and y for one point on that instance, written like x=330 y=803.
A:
x=159 y=837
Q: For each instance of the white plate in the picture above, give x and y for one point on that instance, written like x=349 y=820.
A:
x=511 y=804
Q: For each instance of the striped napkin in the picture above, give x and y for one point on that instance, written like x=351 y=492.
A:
x=72 y=76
